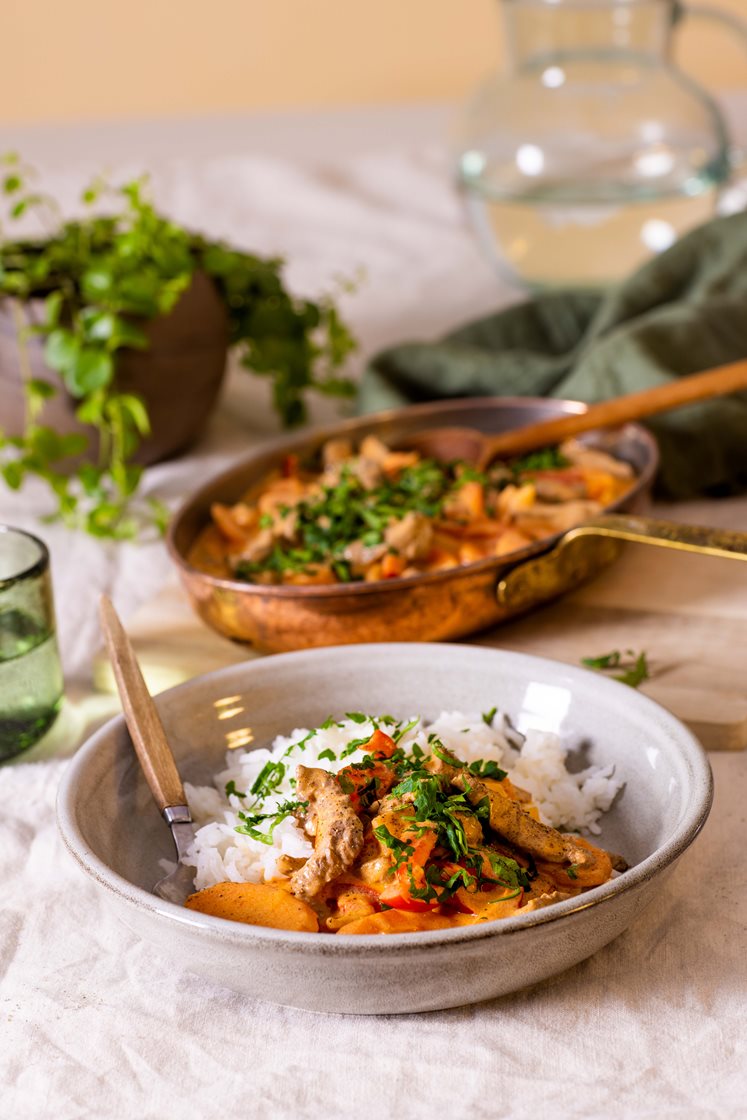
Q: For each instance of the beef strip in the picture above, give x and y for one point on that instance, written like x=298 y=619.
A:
x=508 y=818
x=338 y=831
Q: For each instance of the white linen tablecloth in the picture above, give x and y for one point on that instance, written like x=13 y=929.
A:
x=94 y=1023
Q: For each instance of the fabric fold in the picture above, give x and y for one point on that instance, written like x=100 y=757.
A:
x=679 y=313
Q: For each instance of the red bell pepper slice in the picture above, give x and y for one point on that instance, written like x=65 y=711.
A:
x=380 y=745
x=289 y=466
x=398 y=894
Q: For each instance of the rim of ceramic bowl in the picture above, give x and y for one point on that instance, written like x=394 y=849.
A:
x=314 y=439
x=687 y=828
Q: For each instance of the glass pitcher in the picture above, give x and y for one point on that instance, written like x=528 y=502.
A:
x=593 y=151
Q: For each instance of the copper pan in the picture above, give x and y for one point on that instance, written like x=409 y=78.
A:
x=436 y=605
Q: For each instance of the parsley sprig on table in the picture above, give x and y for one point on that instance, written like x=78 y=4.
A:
x=634 y=665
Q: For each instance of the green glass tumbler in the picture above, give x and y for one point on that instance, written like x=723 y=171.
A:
x=31 y=685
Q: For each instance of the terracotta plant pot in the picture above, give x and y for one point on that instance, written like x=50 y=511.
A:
x=178 y=376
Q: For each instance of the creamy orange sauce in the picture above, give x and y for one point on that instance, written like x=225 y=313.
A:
x=373 y=514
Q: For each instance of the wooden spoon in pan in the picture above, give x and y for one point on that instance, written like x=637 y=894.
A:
x=472 y=446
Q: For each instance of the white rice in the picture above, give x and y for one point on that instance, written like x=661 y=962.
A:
x=220 y=854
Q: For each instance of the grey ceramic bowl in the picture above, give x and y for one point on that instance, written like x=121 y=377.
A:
x=112 y=827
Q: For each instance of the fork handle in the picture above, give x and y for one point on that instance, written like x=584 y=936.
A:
x=141 y=716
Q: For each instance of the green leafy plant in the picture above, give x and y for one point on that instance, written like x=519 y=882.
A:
x=103 y=278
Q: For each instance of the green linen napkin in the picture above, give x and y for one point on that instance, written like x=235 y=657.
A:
x=681 y=312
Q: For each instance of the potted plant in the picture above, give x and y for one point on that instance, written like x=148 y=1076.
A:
x=114 y=332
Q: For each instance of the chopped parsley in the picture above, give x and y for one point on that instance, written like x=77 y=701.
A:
x=327 y=523
x=486 y=768
x=299 y=744
x=398 y=734
x=267 y=781
x=354 y=745
x=508 y=872
x=635 y=668
x=441 y=752
x=400 y=849
x=435 y=807
x=548 y=459
x=250 y=820
x=461 y=878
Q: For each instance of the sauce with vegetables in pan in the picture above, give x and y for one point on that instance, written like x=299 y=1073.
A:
x=378 y=514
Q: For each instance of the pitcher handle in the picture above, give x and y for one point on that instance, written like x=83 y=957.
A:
x=737 y=156
x=715 y=15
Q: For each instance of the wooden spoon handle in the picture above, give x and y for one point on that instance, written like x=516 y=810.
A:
x=141 y=716
x=611 y=414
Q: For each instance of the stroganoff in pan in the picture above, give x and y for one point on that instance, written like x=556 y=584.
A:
x=376 y=514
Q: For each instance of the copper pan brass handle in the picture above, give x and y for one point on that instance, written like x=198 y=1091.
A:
x=585 y=549
x=665 y=534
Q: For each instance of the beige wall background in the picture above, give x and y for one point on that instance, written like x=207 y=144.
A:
x=66 y=60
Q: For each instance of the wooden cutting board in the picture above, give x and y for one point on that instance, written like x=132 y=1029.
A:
x=688 y=613
x=689 y=656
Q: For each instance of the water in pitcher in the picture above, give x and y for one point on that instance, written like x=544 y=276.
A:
x=548 y=239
